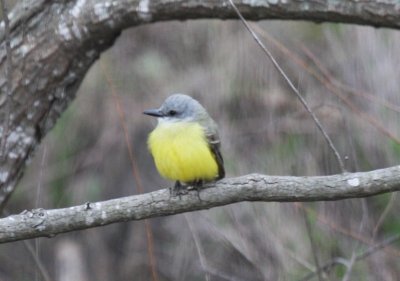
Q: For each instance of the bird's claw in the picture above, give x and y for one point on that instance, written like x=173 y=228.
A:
x=178 y=189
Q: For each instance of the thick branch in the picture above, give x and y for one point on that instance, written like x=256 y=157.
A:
x=53 y=44
x=254 y=187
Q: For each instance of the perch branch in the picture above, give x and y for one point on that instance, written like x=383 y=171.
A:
x=50 y=63
x=253 y=187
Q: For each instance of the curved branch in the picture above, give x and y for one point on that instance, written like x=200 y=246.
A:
x=254 y=187
x=54 y=43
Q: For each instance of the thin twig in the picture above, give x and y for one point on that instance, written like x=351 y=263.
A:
x=199 y=248
x=384 y=214
x=346 y=232
x=347 y=88
x=303 y=262
x=336 y=87
x=325 y=268
x=9 y=71
x=378 y=246
x=350 y=264
x=312 y=244
x=221 y=275
x=363 y=222
x=294 y=89
x=37 y=260
x=373 y=249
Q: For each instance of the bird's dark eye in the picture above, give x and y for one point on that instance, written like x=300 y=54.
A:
x=171 y=112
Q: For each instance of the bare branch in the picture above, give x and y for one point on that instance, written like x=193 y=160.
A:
x=254 y=187
x=50 y=63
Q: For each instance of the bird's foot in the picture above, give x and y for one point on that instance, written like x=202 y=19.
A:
x=178 y=190
x=196 y=185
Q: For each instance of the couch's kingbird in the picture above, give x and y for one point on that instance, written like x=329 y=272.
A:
x=185 y=144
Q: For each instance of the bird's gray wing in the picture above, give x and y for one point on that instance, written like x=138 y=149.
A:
x=215 y=146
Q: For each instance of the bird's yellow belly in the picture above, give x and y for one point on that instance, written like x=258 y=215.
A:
x=181 y=152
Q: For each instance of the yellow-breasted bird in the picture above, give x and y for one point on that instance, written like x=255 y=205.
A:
x=185 y=144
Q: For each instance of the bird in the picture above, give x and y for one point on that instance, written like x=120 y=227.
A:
x=185 y=144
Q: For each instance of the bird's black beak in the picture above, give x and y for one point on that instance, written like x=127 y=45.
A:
x=154 y=112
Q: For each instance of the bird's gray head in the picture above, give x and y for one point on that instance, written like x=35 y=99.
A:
x=179 y=107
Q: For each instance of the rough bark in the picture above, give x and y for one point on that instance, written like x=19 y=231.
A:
x=53 y=44
x=254 y=187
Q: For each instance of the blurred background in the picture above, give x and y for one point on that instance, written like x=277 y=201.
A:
x=349 y=76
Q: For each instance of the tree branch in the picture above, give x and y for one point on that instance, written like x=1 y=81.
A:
x=50 y=63
x=254 y=187
x=54 y=43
